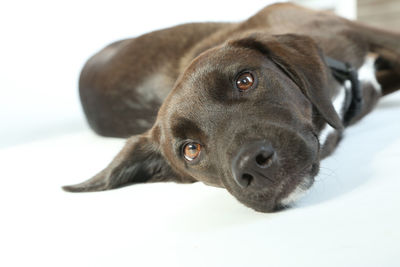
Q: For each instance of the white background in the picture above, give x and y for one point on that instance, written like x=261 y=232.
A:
x=349 y=218
x=44 y=45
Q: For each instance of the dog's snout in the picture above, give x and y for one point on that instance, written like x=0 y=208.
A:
x=255 y=165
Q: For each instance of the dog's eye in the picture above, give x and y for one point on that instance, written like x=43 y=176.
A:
x=245 y=81
x=191 y=151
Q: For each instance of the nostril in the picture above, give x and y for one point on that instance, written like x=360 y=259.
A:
x=247 y=178
x=264 y=158
x=254 y=164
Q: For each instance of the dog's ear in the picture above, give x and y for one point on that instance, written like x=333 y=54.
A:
x=140 y=161
x=300 y=58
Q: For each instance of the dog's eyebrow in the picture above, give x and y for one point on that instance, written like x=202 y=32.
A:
x=250 y=43
x=184 y=128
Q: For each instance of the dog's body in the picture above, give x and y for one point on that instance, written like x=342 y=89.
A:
x=256 y=98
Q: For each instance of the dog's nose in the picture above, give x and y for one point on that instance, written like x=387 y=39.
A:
x=254 y=165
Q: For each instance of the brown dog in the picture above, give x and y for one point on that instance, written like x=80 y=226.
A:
x=252 y=107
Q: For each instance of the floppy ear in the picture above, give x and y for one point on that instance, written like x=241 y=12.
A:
x=299 y=57
x=140 y=161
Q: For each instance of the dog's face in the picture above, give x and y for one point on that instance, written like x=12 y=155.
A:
x=240 y=117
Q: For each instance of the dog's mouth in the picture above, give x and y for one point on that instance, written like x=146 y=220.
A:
x=296 y=190
x=278 y=195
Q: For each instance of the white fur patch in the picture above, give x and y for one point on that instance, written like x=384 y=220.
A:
x=298 y=192
x=366 y=74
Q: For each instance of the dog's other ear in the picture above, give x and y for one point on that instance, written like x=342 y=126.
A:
x=140 y=161
x=300 y=58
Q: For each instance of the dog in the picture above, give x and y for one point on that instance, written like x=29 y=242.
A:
x=252 y=107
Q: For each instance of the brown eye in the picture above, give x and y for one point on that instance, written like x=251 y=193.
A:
x=245 y=81
x=191 y=151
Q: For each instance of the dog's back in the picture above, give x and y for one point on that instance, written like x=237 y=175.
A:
x=123 y=86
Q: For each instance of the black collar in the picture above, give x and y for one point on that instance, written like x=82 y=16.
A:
x=345 y=72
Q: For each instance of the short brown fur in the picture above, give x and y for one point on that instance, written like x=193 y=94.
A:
x=178 y=85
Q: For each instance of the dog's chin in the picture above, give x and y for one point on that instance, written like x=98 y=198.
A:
x=284 y=196
x=299 y=191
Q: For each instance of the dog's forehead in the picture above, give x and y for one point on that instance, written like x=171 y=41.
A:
x=212 y=72
x=206 y=86
x=223 y=60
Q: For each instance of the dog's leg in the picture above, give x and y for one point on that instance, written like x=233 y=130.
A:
x=387 y=45
x=383 y=42
x=388 y=75
x=378 y=77
x=390 y=81
x=123 y=86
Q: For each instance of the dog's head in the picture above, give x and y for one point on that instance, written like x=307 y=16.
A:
x=241 y=116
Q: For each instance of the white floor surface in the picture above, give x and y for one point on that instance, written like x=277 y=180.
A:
x=351 y=217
